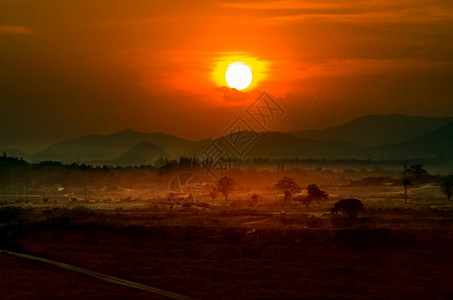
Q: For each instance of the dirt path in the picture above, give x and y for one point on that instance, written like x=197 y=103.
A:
x=101 y=276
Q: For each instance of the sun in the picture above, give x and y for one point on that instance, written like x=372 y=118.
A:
x=238 y=75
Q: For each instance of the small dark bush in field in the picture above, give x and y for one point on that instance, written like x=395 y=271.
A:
x=349 y=207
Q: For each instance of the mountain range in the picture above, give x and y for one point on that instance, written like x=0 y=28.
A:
x=374 y=130
x=367 y=137
x=127 y=147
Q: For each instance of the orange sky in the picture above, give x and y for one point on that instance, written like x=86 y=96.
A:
x=102 y=66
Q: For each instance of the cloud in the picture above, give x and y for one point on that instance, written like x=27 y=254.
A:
x=233 y=96
x=13 y=29
x=359 y=67
x=278 y=5
x=413 y=11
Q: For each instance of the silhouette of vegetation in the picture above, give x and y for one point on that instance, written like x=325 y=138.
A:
x=348 y=207
x=288 y=186
x=417 y=170
x=314 y=194
x=225 y=185
x=446 y=187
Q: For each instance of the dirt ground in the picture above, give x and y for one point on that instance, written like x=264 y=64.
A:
x=236 y=250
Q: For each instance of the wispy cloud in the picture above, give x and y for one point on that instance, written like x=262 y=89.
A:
x=14 y=29
x=350 y=10
x=279 y=5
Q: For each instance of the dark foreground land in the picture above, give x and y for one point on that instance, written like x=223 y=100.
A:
x=230 y=254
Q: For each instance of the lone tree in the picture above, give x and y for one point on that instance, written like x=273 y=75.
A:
x=288 y=186
x=225 y=185
x=447 y=187
x=417 y=170
x=314 y=194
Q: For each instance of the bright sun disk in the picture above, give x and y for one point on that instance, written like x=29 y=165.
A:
x=238 y=75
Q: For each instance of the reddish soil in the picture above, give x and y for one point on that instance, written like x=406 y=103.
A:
x=228 y=260
x=24 y=279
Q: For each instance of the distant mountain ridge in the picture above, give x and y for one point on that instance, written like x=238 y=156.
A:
x=112 y=147
x=144 y=153
x=374 y=130
x=436 y=143
x=427 y=138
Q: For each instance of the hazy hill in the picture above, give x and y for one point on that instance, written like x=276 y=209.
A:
x=435 y=143
x=103 y=148
x=402 y=138
x=285 y=145
x=375 y=130
x=144 y=153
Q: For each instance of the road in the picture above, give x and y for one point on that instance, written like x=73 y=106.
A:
x=100 y=276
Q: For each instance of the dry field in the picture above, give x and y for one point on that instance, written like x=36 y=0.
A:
x=237 y=249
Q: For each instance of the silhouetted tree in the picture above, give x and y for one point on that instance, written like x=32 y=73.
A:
x=314 y=194
x=225 y=185
x=406 y=183
x=447 y=187
x=288 y=186
x=184 y=162
x=417 y=170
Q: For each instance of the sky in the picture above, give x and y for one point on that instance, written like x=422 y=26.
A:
x=74 y=67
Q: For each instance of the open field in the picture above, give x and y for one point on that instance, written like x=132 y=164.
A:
x=237 y=249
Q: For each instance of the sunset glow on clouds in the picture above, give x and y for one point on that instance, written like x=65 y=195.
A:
x=148 y=60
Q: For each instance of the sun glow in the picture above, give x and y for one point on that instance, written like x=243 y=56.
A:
x=238 y=75
x=239 y=71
